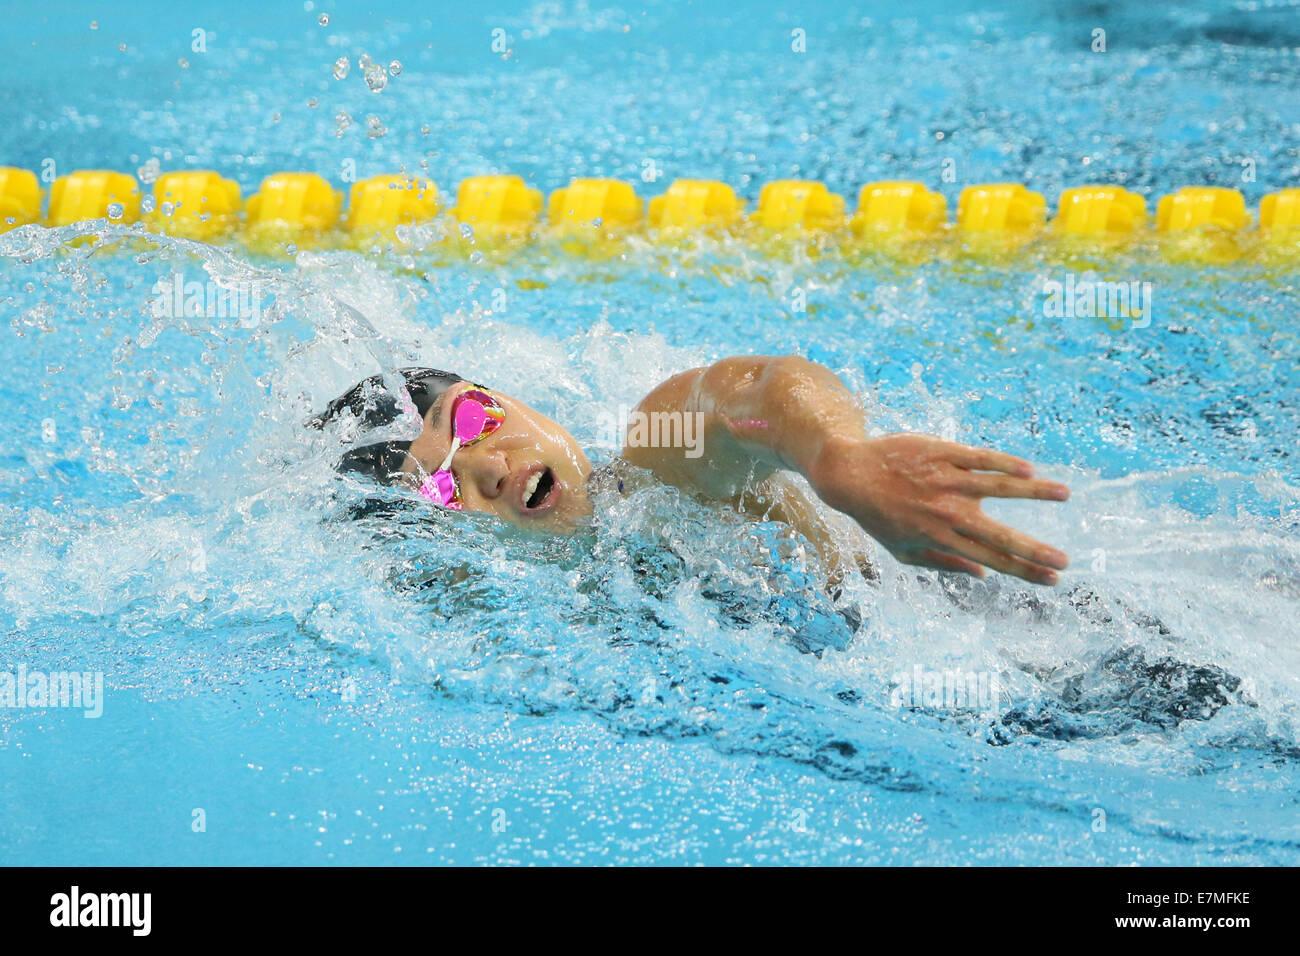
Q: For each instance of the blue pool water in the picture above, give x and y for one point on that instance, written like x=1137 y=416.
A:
x=669 y=686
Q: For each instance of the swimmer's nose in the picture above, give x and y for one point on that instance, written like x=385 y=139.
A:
x=489 y=473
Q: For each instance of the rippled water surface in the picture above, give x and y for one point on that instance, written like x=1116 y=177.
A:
x=671 y=685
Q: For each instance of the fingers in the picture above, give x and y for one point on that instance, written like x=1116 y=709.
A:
x=986 y=459
x=941 y=561
x=1014 y=542
x=1006 y=486
x=1000 y=560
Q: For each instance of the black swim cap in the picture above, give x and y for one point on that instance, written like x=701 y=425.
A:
x=375 y=407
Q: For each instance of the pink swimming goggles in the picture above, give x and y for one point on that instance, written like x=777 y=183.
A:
x=474 y=414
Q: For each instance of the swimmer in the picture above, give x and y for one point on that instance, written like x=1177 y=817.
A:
x=757 y=421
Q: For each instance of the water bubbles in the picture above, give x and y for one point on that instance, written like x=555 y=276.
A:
x=466 y=232
x=147 y=204
x=275 y=117
x=183 y=63
x=341 y=67
x=94 y=24
x=424 y=130
x=342 y=122
x=149 y=172
x=115 y=211
x=167 y=209
x=376 y=78
x=313 y=103
x=323 y=19
x=395 y=68
x=375 y=127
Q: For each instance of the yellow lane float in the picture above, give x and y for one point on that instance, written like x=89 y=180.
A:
x=195 y=204
x=1099 y=211
x=20 y=198
x=997 y=219
x=1199 y=224
x=1007 y=208
x=798 y=205
x=695 y=204
x=378 y=205
x=1280 y=211
x=1195 y=206
x=93 y=194
x=902 y=218
x=292 y=208
x=592 y=207
x=898 y=207
x=497 y=206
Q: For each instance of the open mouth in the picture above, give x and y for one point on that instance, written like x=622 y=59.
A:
x=538 y=488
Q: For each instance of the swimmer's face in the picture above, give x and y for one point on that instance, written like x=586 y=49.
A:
x=529 y=471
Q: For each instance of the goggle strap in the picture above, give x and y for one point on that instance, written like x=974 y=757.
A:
x=446 y=462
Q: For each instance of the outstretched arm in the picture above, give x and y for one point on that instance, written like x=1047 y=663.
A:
x=917 y=495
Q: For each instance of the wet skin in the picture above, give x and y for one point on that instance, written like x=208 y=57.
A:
x=917 y=495
x=530 y=471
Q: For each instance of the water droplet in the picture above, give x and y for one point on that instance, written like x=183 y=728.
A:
x=324 y=19
x=376 y=78
x=184 y=63
x=313 y=103
x=167 y=209
x=147 y=204
x=341 y=68
x=395 y=68
x=424 y=130
x=94 y=24
x=290 y=248
x=115 y=211
x=275 y=117
x=466 y=231
x=375 y=127
x=121 y=48
x=476 y=257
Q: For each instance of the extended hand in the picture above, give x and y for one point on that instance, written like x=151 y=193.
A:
x=920 y=497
